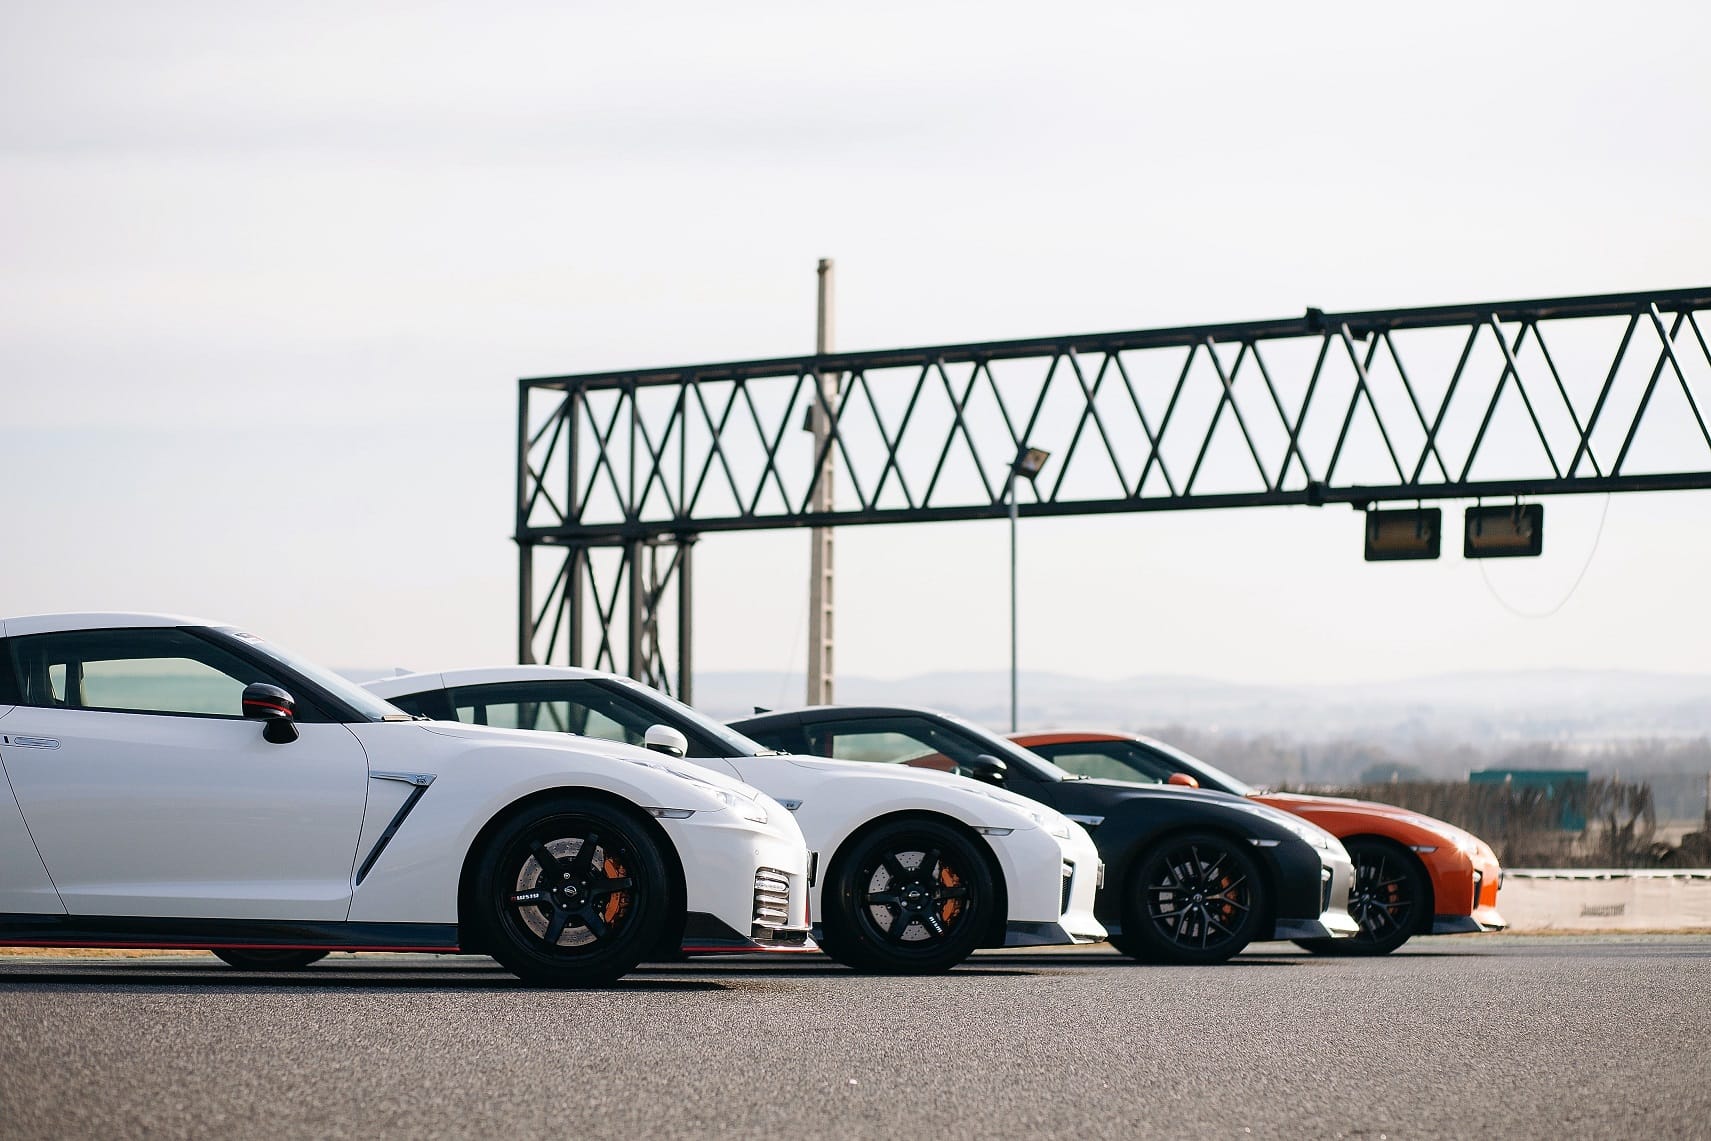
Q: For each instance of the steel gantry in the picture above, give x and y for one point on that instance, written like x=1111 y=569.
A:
x=618 y=473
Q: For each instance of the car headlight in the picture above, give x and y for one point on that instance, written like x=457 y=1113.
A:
x=1466 y=843
x=1311 y=833
x=1054 y=822
x=1050 y=819
x=1302 y=830
x=750 y=808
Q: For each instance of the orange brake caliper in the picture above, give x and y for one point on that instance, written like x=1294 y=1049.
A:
x=615 y=902
x=952 y=907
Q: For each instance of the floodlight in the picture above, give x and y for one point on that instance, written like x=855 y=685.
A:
x=1030 y=462
x=1515 y=532
x=1393 y=535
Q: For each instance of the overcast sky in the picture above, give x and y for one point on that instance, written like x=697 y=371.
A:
x=268 y=274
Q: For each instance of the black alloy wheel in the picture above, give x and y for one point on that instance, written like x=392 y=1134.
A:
x=1387 y=898
x=911 y=897
x=1193 y=899
x=571 y=893
x=257 y=959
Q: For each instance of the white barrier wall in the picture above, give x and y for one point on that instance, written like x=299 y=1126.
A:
x=1585 y=899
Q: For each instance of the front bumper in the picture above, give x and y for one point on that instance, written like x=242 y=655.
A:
x=1474 y=883
x=1321 y=914
x=1465 y=924
x=745 y=884
x=705 y=934
x=1487 y=880
x=1047 y=908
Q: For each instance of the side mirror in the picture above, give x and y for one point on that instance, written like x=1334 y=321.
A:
x=988 y=768
x=1183 y=779
x=275 y=708
x=665 y=739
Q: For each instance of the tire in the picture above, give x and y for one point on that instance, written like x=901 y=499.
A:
x=1194 y=899
x=607 y=909
x=1388 y=899
x=909 y=897
x=262 y=960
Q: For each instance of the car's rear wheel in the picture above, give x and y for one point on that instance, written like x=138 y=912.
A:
x=911 y=897
x=1192 y=899
x=257 y=959
x=571 y=892
x=1388 y=898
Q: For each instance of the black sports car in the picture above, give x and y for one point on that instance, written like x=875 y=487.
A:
x=1191 y=876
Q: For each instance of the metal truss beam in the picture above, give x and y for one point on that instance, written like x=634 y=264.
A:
x=1515 y=398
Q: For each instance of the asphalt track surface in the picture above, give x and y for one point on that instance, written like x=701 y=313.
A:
x=1500 y=1036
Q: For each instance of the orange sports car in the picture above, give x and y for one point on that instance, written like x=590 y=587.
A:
x=1413 y=875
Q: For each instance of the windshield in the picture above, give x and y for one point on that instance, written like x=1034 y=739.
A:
x=739 y=745
x=1200 y=770
x=1009 y=751
x=359 y=699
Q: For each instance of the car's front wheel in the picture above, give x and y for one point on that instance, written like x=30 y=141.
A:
x=571 y=892
x=1192 y=899
x=910 y=897
x=1388 y=898
x=257 y=959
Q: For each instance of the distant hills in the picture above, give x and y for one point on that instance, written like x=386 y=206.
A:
x=1480 y=709
x=1637 y=726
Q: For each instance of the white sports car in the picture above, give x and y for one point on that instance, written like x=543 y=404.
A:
x=176 y=783
x=919 y=867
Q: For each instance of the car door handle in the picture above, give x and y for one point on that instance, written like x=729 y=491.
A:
x=30 y=742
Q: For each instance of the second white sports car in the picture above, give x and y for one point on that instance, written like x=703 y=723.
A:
x=918 y=868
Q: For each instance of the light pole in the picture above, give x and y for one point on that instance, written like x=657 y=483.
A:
x=820 y=416
x=1028 y=464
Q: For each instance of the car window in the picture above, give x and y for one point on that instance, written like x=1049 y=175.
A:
x=360 y=704
x=1151 y=762
x=161 y=670
x=886 y=747
x=1102 y=761
x=433 y=704
x=782 y=739
x=585 y=708
x=523 y=707
x=910 y=741
x=720 y=740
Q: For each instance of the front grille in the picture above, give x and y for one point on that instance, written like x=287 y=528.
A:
x=772 y=898
x=1068 y=883
x=1325 y=881
x=1478 y=882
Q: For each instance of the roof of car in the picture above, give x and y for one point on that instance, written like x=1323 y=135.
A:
x=1061 y=736
x=93 y=620
x=821 y=712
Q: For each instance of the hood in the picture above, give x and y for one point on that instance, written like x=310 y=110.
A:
x=597 y=746
x=1306 y=802
x=1136 y=791
x=988 y=797
x=891 y=774
x=1107 y=793
x=587 y=747
x=868 y=770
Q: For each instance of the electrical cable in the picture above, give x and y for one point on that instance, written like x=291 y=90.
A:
x=1597 y=538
